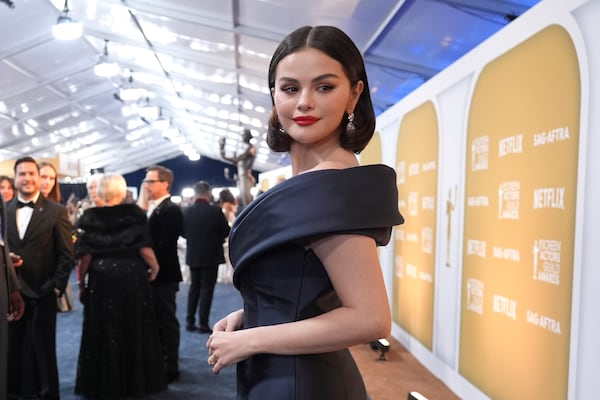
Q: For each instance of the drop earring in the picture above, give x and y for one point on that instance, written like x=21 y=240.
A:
x=350 y=127
x=280 y=129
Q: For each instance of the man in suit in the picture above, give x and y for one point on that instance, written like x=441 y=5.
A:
x=205 y=228
x=39 y=232
x=166 y=220
x=11 y=302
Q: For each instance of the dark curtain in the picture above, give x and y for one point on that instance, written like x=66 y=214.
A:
x=77 y=189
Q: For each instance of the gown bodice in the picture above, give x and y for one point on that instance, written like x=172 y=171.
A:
x=282 y=280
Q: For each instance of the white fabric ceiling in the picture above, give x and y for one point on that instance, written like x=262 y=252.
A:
x=203 y=63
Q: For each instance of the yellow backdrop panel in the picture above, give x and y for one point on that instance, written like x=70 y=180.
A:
x=372 y=153
x=414 y=250
x=520 y=199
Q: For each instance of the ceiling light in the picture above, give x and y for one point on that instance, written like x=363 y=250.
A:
x=104 y=67
x=129 y=93
x=148 y=111
x=180 y=140
x=170 y=133
x=161 y=123
x=66 y=28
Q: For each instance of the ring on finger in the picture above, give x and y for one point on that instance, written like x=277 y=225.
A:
x=212 y=360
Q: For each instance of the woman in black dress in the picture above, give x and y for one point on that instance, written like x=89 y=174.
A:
x=120 y=350
x=304 y=252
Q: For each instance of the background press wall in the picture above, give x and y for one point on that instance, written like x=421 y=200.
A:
x=492 y=280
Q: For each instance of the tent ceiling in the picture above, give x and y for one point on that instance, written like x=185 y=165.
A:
x=201 y=65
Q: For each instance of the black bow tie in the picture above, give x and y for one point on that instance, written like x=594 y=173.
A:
x=28 y=204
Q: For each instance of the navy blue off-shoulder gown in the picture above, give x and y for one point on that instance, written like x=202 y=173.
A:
x=282 y=280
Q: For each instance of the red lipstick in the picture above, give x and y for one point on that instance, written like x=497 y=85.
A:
x=305 y=120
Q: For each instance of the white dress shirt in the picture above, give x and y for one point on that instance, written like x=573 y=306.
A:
x=152 y=204
x=24 y=216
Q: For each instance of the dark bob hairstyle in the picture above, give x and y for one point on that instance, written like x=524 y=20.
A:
x=337 y=45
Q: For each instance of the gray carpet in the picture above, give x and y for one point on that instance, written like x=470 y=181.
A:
x=196 y=381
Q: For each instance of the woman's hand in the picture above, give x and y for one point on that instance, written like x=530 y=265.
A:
x=16 y=259
x=225 y=345
x=152 y=273
x=17 y=306
x=150 y=258
x=231 y=322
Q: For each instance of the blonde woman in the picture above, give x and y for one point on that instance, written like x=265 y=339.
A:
x=120 y=348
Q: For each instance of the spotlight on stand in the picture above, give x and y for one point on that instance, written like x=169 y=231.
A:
x=383 y=345
x=66 y=28
x=416 y=396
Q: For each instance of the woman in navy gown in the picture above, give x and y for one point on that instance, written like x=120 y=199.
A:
x=304 y=252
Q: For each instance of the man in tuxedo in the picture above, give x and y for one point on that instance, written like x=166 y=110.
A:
x=205 y=228
x=166 y=225
x=39 y=232
x=11 y=302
